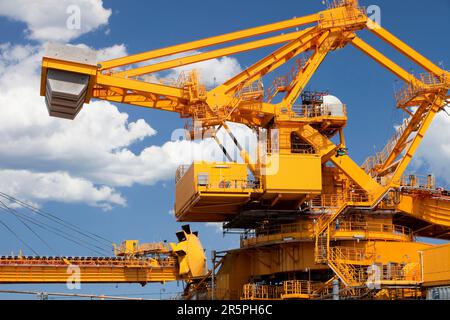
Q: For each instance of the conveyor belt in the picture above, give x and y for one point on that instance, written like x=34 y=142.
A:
x=90 y=270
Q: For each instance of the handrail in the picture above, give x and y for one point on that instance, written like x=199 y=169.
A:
x=90 y=261
x=337 y=200
x=293 y=287
x=380 y=157
x=415 y=181
x=315 y=111
x=306 y=230
x=255 y=291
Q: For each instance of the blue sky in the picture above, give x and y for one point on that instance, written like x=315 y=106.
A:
x=365 y=87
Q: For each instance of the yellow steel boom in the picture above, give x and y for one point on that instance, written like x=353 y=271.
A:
x=304 y=187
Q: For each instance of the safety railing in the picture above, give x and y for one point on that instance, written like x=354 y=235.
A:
x=353 y=274
x=336 y=200
x=380 y=157
x=300 y=287
x=432 y=80
x=306 y=230
x=396 y=272
x=251 y=92
x=302 y=230
x=191 y=81
x=315 y=111
x=90 y=261
x=385 y=228
x=404 y=94
x=285 y=290
x=428 y=82
x=254 y=291
x=414 y=181
x=354 y=264
x=348 y=254
x=352 y=16
x=141 y=249
x=392 y=272
x=283 y=83
x=333 y=4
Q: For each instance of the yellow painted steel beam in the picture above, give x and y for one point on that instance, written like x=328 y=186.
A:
x=383 y=60
x=228 y=51
x=134 y=85
x=402 y=141
x=433 y=210
x=244 y=154
x=268 y=63
x=426 y=122
x=234 y=36
x=22 y=274
x=358 y=175
x=322 y=145
x=323 y=47
x=326 y=149
x=405 y=49
x=164 y=105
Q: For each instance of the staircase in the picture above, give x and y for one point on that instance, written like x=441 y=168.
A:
x=320 y=254
x=341 y=261
x=379 y=158
x=325 y=220
x=251 y=93
x=428 y=83
x=284 y=84
x=346 y=263
x=323 y=229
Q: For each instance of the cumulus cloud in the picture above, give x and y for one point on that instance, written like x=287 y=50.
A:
x=212 y=72
x=92 y=153
x=433 y=155
x=104 y=54
x=57 y=186
x=87 y=160
x=42 y=157
x=56 y=20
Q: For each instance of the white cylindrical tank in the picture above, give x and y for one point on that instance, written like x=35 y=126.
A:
x=333 y=106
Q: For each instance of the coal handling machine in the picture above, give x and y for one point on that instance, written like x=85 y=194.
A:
x=314 y=224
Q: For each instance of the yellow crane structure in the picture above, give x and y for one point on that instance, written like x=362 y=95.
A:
x=312 y=219
x=132 y=263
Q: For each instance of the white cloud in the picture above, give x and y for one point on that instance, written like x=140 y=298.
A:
x=113 y=52
x=53 y=20
x=57 y=186
x=215 y=225
x=91 y=152
x=86 y=160
x=433 y=154
x=212 y=72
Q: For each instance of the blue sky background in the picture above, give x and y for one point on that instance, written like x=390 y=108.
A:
x=365 y=87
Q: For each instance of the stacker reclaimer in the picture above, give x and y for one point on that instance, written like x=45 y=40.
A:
x=314 y=224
